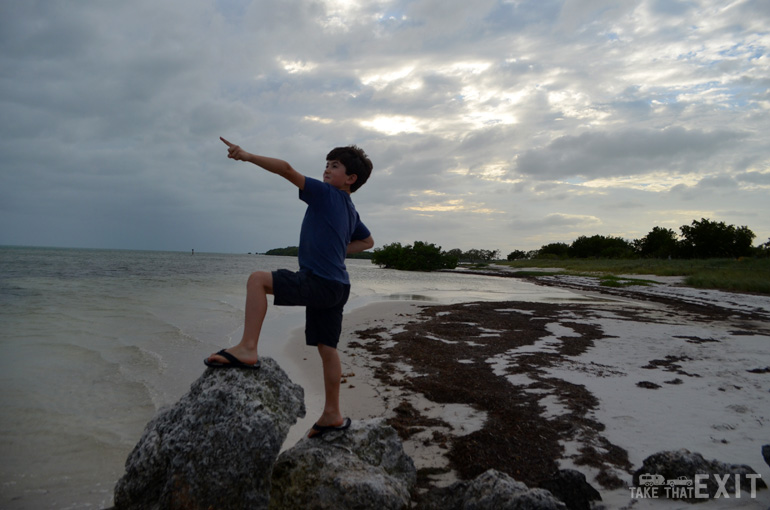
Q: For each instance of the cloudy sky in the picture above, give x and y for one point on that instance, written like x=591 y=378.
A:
x=493 y=124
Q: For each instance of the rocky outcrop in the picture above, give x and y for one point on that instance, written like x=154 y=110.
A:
x=218 y=447
x=571 y=487
x=491 y=490
x=215 y=448
x=363 y=467
x=685 y=464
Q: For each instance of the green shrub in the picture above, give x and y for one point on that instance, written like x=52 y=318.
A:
x=418 y=257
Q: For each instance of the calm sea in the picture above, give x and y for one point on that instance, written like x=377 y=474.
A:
x=94 y=342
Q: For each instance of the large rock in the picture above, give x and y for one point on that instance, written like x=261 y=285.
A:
x=491 y=490
x=215 y=447
x=683 y=463
x=361 y=468
x=572 y=488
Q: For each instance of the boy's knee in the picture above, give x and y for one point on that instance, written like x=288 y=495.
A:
x=327 y=351
x=260 y=280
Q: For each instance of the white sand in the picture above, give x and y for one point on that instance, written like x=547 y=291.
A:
x=724 y=414
x=361 y=394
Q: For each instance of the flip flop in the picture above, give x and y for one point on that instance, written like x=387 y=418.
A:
x=233 y=362
x=322 y=429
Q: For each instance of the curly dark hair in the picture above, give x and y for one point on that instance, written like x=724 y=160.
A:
x=356 y=163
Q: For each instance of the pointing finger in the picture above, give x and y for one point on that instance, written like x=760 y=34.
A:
x=226 y=142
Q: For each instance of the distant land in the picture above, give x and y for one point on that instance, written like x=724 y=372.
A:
x=289 y=251
x=292 y=251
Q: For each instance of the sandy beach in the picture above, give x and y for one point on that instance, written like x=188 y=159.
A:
x=597 y=384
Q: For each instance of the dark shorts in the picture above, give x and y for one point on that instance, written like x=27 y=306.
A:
x=323 y=301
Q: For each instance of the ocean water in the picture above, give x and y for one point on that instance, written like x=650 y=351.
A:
x=94 y=342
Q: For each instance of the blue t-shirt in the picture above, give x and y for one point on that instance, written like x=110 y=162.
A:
x=330 y=223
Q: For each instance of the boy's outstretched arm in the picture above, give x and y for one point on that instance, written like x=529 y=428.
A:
x=360 y=245
x=276 y=166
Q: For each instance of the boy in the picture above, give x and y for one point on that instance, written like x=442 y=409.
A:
x=330 y=230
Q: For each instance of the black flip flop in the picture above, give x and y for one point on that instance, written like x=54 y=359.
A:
x=322 y=429
x=233 y=362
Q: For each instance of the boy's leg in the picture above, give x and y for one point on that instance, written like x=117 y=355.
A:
x=332 y=370
x=259 y=285
x=322 y=329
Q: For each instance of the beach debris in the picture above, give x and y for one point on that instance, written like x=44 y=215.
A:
x=362 y=467
x=216 y=446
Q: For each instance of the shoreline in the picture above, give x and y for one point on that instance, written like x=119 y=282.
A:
x=608 y=382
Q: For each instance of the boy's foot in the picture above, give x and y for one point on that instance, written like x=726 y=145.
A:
x=319 y=430
x=231 y=361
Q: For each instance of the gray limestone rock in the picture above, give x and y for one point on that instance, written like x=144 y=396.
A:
x=216 y=446
x=673 y=465
x=573 y=489
x=361 y=468
x=491 y=490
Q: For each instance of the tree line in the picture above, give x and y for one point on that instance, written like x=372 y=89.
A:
x=701 y=239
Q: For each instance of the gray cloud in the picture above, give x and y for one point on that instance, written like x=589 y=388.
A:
x=754 y=178
x=592 y=155
x=490 y=124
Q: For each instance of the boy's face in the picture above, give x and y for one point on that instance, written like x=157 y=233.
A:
x=336 y=176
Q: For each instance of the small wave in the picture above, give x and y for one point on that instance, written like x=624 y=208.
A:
x=410 y=297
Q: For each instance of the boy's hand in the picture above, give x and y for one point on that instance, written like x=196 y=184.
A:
x=273 y=165
x=235 y=151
